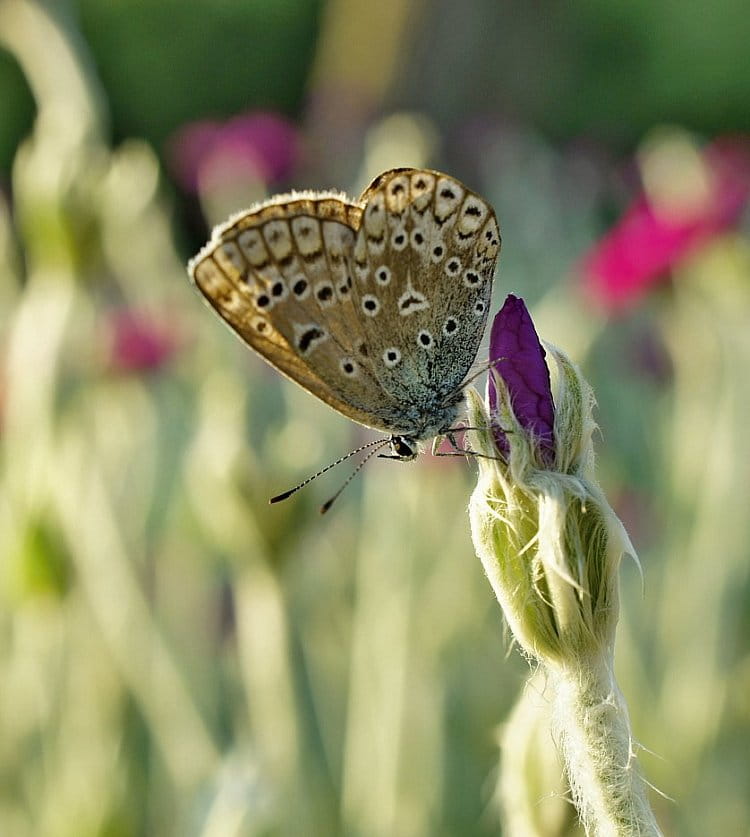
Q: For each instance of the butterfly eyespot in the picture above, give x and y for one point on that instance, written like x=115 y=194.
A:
x=438 y=251
x=450 y=327
x=391 y=357
x=309 y=336
x=424 y=339
x=479 y=308
x=324 y=294
x=370 y=305
x=263 y=301
x=417 y=239
x=348 y=367
x=383 y=275
x=472 y=279
x=453 y=267
x=411 y=301
x=260 y=325
x=301 y=288
x=398 y=239
x=278 y=288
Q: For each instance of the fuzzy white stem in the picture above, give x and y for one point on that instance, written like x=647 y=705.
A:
x=592 y=728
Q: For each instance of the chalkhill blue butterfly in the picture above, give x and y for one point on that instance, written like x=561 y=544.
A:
x=376 y=306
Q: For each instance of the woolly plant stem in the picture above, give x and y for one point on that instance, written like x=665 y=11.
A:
x=591 y=726
x=551 y=547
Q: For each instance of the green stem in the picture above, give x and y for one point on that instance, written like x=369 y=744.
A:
x=592 y=729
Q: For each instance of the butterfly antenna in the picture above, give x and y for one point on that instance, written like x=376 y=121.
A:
x=379 y=442
x=327 y=505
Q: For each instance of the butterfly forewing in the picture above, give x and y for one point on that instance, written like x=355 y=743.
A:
x=376 y=306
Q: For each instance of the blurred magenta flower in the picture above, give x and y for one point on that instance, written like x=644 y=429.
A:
x=519 y=360
x=689 y=202
x=262 y=145
x=138 y=342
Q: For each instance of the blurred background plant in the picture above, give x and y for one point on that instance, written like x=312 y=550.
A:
x=177 y=658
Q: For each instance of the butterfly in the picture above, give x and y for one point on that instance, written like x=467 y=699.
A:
x=376 y=306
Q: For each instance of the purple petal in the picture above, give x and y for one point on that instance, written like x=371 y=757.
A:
x=520 y=363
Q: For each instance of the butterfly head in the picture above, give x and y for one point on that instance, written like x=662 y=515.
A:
x=403 y=448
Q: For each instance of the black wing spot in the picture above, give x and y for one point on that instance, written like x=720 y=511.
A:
x=449 y=194
x=299 y=287
x=409 y=301
x=307 y=338
x=450 y=325
x=324 y=293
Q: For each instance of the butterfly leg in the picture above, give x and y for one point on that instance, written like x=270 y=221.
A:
x=457 y=451
x=438 y=440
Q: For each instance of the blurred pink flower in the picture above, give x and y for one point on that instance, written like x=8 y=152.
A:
x=265 y=144
x=138 y=342
x=648 y=241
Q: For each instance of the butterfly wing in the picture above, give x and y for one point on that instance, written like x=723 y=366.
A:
x=377 y=307
x=281 y=276
x=424 y=260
